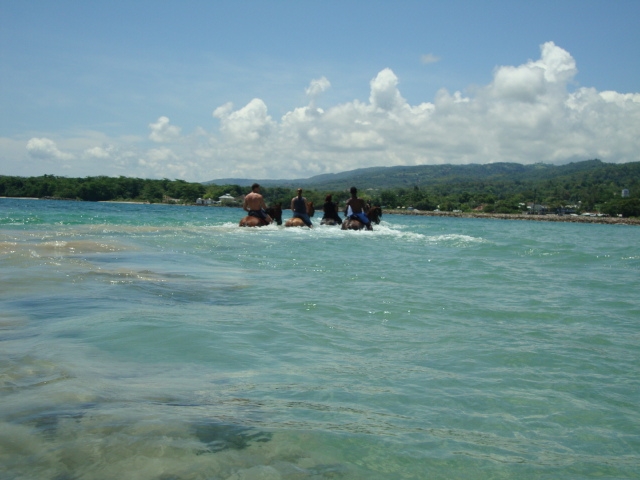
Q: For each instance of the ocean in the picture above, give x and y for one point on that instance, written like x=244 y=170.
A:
x=166 y=343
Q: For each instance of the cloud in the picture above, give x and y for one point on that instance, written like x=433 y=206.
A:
x=249 y=124
x=429 y=58
x=165 y=163
x=317 y=86
x=527 y=113
x=162 y=131
x=163 y=154
x=97 y=152
x=528 y=82
x=384 y=91
x=46 y=149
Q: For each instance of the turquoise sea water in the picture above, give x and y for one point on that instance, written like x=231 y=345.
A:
x=164 y=342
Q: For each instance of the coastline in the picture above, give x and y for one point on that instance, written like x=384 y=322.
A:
x=124 y=201
x=515 y=216
x=394 y=211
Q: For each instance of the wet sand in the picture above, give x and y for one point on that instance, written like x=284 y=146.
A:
x=514 y=216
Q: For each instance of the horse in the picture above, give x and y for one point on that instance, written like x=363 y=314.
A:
x=274 y=212
x=332 y=221
x=297 y=222
x=373 y=214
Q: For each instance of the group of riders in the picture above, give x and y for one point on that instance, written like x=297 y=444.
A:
x=355 y=209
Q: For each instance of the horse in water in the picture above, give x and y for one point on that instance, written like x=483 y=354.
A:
x=373 y=214
x=328 y=221
x=274 y=212
x=331 y=217
x=297 y=222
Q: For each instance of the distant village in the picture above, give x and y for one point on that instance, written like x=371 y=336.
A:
x=225 y=200
x=538 y=209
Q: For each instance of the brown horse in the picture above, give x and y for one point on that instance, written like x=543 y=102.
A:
x=274 y=212
x=297 y=222
x=373 y=214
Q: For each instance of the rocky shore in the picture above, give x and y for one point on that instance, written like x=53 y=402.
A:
x=513 y=216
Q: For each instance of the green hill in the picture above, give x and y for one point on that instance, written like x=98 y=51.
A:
x=432 y=175
x=498 y=187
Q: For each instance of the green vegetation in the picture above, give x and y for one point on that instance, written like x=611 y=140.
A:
x=590 y=186
x=100 y=188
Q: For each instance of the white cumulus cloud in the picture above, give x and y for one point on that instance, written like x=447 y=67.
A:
x=384 y=91
x=250 y=123
x=46 y=148
x=97 y=152
x=162 y=131
x=317 y=86
x=527 y=113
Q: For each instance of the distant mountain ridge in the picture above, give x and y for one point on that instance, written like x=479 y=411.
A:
x=426 y=175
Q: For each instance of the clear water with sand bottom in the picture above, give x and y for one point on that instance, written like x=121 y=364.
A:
x=163 y=342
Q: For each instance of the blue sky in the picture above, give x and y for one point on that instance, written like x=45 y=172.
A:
x=199 y=90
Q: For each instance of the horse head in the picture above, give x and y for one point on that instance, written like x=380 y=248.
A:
x=374 y=214
x=311 y=209
x=275 y=213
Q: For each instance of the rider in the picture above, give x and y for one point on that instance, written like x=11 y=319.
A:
x=331 y=210
x=299 y=209
x=254 y=204
x=355 y=209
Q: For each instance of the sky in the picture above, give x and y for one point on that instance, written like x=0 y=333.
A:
x=202 y=90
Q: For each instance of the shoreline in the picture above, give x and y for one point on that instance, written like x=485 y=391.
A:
x=552 y=217
x=124 y=201
x=515 y=216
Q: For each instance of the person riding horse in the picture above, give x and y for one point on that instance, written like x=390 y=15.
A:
x=300 y=209
x=258 y=213
x=353 y=223
x=355 y=209
x=330 y=209
x=254 y=204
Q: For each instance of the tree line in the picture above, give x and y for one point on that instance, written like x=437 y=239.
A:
x=597 y=188
x=100 y=188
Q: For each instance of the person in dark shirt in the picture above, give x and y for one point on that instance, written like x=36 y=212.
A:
x=331 y=210
x=299 y=209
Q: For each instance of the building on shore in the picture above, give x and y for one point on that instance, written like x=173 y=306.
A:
x=226 y=199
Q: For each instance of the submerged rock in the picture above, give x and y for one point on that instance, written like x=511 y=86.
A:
x=218 y=436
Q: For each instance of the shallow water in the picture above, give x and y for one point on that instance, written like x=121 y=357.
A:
x=165 y=342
